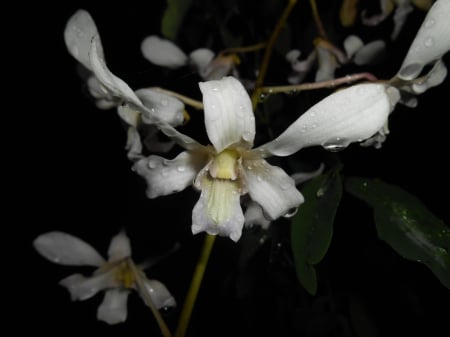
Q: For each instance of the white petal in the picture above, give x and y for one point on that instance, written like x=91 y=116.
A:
x=134 y=145
x=201 y=58
x=165 y=176
x=431 y=42
x=372 y=53
x=164 y=107
x=349 y=115
x=119 y=248
x=301 y=177
x=129 y=114
x=254 y=215
x=272 y=189
x=229 y=116
x=293 y=55
x=159 y=294
x=66 y=249
x=181 y=139
x=163 y=52
x=218 y=68
x=81 y=288
x=111 y=82
x=218 y=211
x=435 y=77
x=327 y=65
x=352 y=44
x=400 y=15
x=79 y=31
x=113 y=309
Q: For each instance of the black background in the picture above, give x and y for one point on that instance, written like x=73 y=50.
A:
x=69 y=172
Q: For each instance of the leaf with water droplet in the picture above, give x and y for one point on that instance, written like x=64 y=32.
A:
x=403 y=222
x=312 y=226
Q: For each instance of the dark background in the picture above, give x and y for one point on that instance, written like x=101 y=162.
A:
x=71 y=174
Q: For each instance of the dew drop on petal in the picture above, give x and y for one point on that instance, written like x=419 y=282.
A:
x=430 y=22
x=215 y=89
x=291 y=212
x=428 y=42
x=247 y=136
x=151 y=164
x=336 y=144
x=181 y=168
x=259 y=178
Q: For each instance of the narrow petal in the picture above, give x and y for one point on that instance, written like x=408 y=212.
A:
x=129 y=115
x=165 y=176
x=111 y=82
x=66 y=249
x=113 y=309
x=370 y=54
x=301 y=177
x=218 y=211
x=229 y=116
x=119 y=248
x=327 y=65
x=431 y=42
x=435 y=76
x=163 y=52
x=352 y=44
x=134 y=144
x=104 y=100
x=164 y=107
x=349 y=115
x=161 y=297
x=254 y=215
x=400 y=15
x=271 y=188
x=79 y=31
x=201 y=58
x=81 y=288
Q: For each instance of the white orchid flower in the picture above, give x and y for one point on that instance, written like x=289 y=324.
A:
x=116 y=277
x=364 y=54
x=230 y=167
x=84 y=44
x=209 y=66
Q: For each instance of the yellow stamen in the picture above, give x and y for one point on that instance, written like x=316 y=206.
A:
x=225 y=165
x=125 y=275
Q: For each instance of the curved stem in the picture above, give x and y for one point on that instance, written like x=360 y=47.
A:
x=246 y=49
x=195 y=285
x=187 y=100
x=268 y=52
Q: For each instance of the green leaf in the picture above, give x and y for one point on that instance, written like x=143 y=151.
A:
x=404 y=223
x=173 y=17
x=312 y=227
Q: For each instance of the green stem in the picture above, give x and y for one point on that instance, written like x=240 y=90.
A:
x=268 y=52
x=195 y=285
x=317 y=19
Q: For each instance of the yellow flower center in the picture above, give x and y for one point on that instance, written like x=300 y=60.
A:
x=125 y=275
x=225 y=165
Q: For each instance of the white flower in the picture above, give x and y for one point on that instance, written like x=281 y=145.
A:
x=117 y=276
x=230 y=168
x=84 y=44
x=165 y=53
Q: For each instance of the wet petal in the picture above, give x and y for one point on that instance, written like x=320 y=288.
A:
x=229 y=116
x=346 y=116
x=163 y=52
x=161 y=297
x=254 y=215
x=113 y=309
x=134 y=145
x=78 y=33
x=271 y=188
x=370 y=54
x=164 y=107
x=165 y=176
x=66 y=249
x=435 y=77
x=218 y=211
x=129 y=115
x=301 y=177
x=104 y=100
x=431 y=42
x=201 y=58
x=111 y=82
x=352 y=44
x=119 y=248
x=81 y=288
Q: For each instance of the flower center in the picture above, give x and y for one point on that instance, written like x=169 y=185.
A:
x=225 y=165
x=125 y=275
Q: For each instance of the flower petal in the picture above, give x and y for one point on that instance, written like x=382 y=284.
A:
x=400 y=16
x=66 y=249
x=370 y=54
x=327 y=65
x=164 y=107
x=81 y=288
x=129 y=115
x=271 y=188
x=349 y=115
x=111 y=82
x=119 y=248
x=165 y=176
x=218 y=211
x=201 y=58
x=163 y=52
x=352 y=44
x=104 y=100
x=229 y=116
x=431 y=42
x=435 y=76
x=78 y=33
x=161 y=297
x=254 y=215
x=113 y=309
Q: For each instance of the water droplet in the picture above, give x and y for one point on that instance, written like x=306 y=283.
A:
x=216 y=89
x=259 y=178
x=262 y=97
x=291 y=212
x=249 y=167
x=428 y=42
x=336 y=144
x=285 y=185
x=313 y=126
x=181 y=168
x=312 y=113
x=429 y=23
x=166 y=162
x=320 y=192
x=151 y=164
x=247 y=136
x=164 y=102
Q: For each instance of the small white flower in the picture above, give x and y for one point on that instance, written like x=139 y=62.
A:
x=230 y=167
x=84 y=44
x=209 y=66
x=117 y=276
